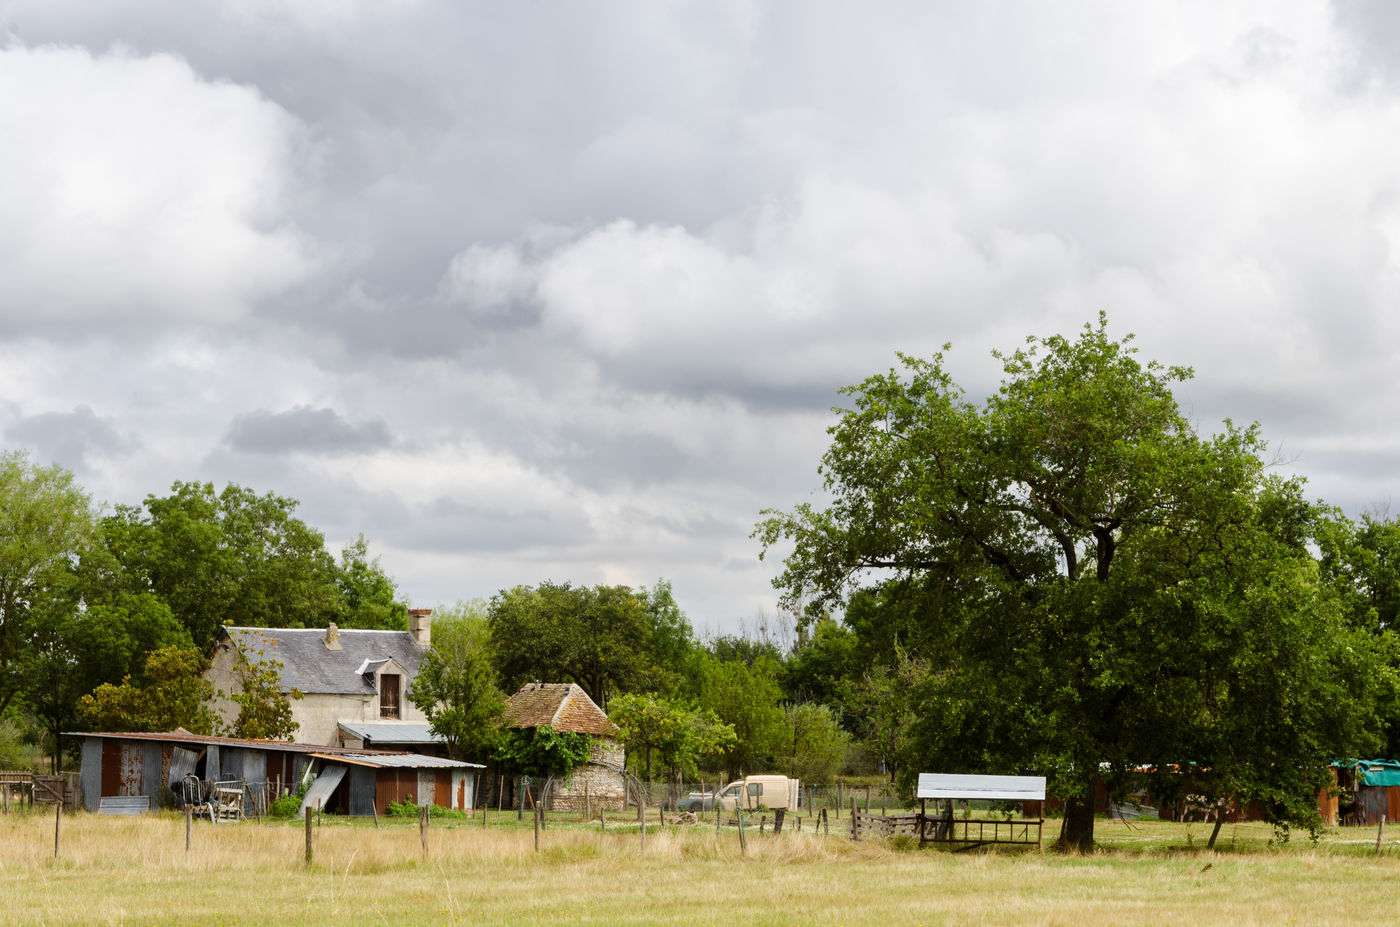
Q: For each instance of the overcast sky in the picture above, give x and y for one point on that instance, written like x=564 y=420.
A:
x=565 y=290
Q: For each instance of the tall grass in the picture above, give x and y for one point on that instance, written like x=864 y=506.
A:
x=135 y=871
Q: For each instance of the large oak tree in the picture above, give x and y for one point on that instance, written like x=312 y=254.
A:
x=1104 y=590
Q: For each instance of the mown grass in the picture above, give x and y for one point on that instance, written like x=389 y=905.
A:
x=135 y=871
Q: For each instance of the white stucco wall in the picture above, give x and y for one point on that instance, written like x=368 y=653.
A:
x=317 y=713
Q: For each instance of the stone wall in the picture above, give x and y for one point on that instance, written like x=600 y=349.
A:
x=599 y=783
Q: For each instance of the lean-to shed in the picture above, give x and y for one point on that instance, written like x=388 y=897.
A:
x=349 y=781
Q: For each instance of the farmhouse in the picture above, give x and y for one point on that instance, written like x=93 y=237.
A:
x=599 y=783
x=350 y=680
x=344 y=780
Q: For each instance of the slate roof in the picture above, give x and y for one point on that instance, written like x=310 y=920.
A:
x=561 y=705
x=307 y=664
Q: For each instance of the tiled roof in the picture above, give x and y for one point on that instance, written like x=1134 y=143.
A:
x=561 y=705
x=307 y=664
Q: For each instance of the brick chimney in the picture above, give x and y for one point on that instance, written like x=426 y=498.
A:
x=420 y=626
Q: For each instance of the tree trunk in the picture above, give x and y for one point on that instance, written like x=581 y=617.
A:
x=1079 y=821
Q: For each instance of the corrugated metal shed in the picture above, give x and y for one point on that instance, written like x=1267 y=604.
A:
x=181 y=736
x=400 y=761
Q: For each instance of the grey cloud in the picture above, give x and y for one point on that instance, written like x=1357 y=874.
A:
x=73 y=439
x=452 y=525
x=306 y=430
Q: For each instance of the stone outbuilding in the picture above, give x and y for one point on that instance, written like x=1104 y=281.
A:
x=350 y=676
x=601 y=783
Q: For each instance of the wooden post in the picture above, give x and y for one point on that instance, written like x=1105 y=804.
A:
x=642 y=817
x=308 y=836
x=884 y=803
x=189 y=826
x=1380 y=831
x=854 y=834
x=718 y=812
x=778 y=820
x=484 y=807
x=602 y=820
x=374 y=810
x=57 y=820
x=743 y=837
x=660 y=819
x=500 y=789
x=7 y=798
x=538 y=813
x=762 y=824
x=423 y=828
x=520 y=805
x=867 y=799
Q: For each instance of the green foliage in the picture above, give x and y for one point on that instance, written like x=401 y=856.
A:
x=812 y=744
x=1102 y=586
x=370 y=598
x=46 y=523
x=264 y=707
x=172 y=693
x=682 y=737
x=456 y=685
x=541 y=751
x=597 y=637
x=14 y=753
x=286 y=806
x=746 y=698
x=408 y=808
x=241 y=559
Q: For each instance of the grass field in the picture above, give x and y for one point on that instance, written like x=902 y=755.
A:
x=135 y=871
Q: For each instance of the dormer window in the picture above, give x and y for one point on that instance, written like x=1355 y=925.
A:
x=389 y=695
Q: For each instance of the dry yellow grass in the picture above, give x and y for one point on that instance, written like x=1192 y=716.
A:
x=134 y=871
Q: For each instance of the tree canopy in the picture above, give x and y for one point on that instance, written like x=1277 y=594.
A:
x=456 y=686
x=1102 y=587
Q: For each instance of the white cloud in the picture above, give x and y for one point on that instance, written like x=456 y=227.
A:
x=135 y=191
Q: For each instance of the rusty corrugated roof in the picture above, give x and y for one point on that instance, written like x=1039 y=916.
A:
x=561 y=705
x=181 y=736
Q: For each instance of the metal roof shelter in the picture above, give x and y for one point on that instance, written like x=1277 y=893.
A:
x=387 y=734
x=967 y=831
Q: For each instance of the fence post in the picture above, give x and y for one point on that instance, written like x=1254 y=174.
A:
x=308 y=836
x=743 y=837
x=57 y=820
x=538 y=813
x=855 y=835
x=423 y=828
x=189 y=825
x=778 y=820
x=1379 y=831
x=642 y=817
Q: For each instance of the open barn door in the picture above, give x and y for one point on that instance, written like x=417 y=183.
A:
x=319 y=795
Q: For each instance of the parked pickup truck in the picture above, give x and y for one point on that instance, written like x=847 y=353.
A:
x=771 y=792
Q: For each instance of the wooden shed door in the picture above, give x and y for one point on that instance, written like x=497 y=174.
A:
x=129 y=769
